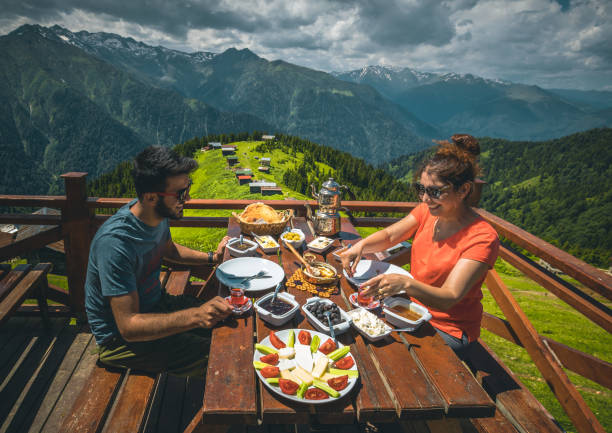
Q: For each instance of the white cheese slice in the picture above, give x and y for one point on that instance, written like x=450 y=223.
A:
x=320 y=367
x=286 y=352
x=303 y=357
x=286 y=364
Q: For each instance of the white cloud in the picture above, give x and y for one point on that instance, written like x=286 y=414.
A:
x=530 y=41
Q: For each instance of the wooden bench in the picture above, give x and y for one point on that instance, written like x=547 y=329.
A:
x=22 y=282
x=516 y=406
x=116 y=400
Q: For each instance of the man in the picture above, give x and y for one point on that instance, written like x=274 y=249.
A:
x=137 y=324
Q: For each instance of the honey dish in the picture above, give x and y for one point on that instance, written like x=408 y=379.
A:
x=404 y=313
x=268 y=244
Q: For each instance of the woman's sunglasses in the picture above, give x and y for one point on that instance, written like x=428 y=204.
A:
x=432 y=191
x=180 y=195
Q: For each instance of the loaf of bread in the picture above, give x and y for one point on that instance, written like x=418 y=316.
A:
x=259 y=212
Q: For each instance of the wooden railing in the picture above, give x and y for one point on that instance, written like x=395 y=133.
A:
x=79 y=221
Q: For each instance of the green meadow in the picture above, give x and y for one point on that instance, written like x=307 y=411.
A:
x=550 y=316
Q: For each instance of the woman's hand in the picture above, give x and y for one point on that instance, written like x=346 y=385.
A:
x=351 y=257
x=382 y=286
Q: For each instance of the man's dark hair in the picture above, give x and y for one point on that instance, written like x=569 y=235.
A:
x=154 y=165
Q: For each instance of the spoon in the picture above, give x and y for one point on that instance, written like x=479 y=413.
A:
x=241 y=239
x=300 y=258
x=278 y=286
x=331 y=327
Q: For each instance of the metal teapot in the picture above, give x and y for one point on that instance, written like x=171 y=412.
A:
x=327 y=219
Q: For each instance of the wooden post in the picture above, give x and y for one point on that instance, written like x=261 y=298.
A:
x=76 y=228
x=569 y=398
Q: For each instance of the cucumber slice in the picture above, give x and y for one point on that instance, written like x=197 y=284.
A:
x=325 y=387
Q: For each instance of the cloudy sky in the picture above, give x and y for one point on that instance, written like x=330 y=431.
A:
x=551 y=43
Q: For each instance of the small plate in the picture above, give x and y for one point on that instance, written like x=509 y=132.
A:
x=246 y=266
x=372 y=306
x=320 y=244
x=240 y=310
x=367 y=269
x=340 y=328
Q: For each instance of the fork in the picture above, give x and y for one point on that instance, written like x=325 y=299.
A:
x=260 y=274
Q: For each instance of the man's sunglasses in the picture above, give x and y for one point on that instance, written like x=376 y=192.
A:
x=180 y=195
x=432 y=191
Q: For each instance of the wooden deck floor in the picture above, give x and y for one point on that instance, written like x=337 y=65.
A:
x=43 y=369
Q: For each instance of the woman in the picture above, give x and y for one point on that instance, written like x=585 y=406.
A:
x=452 y=250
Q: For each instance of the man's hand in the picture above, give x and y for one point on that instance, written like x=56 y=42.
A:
x=212 y=312
x=220 y=249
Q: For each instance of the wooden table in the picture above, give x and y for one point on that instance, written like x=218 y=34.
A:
x=407 y=376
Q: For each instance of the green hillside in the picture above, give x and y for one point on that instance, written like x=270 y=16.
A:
x=559 y=190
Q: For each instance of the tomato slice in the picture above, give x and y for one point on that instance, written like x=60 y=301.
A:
x=327 y=347
x=304 y=337
x=288 y=386
x=338 y=383
x=344 y=363
x=276 y=342
x=315 y=394
x=270 y=371
x=271 y=359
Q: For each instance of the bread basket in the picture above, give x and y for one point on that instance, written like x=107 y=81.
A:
x=265 y=228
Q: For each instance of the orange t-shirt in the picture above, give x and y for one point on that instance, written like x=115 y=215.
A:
x=432 y=262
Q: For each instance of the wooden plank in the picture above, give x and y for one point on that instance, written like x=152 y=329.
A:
x=30 y=219
x=579 y=362
x=11 y=280
x=496 y=424
x=15 y=386
x=30 y=282
x=131 y=403
x=587 y=305
x=58 y=390
x=39 y=371
x=177 y=281
x=32 y=243
x=413 y=395
x=74 y=387
x=192 y=402
x=233 y=339
x=588 y=275
x=54 y=201
x=569 y=398
x=89 y=412
x=514 y=401
x=171 y=408
x=462 y=395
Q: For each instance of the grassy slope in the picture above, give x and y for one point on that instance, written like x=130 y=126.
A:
x=549 y=315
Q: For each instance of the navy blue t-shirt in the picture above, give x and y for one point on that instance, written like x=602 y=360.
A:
x=125 y=256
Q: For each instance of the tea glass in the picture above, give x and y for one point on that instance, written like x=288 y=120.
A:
x=237 y=299
x=363 y=300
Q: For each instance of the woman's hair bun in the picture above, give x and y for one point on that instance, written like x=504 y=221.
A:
x=467 y=143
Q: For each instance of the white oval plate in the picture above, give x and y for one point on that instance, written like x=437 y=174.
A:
x=367 y=269
x=283 y=335
x=243 y=267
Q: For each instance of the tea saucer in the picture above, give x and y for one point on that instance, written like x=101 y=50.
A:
x=372 y=306
x=240 y=310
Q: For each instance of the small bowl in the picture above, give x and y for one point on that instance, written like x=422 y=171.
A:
x=359 y=311
x=403 y=322
x=235 y=252
x=297 y=243
x=319 y=279
x=275 y=319
x=268 y=244
x=340 y=328
x=320 y=244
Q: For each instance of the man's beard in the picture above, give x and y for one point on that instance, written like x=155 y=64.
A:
x=165 y=212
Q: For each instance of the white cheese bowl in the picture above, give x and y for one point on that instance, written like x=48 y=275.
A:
x=364 y=321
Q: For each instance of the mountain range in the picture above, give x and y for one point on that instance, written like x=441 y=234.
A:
x=86 y=101
x=484 y=107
